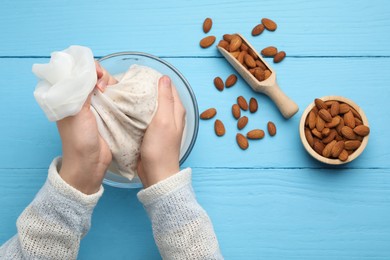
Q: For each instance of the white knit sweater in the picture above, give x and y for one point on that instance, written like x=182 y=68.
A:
x=52 y=226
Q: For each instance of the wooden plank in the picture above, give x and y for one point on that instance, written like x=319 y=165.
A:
x=173 y=28
x=28 y=140
x=259 y=213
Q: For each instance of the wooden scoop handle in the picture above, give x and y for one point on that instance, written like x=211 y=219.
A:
x=286 y=106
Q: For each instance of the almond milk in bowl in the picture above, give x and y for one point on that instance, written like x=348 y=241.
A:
x=117 y=64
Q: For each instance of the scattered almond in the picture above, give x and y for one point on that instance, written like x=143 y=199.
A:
x=207 y=24
x=255 y=134
x=208 y=113
x=218 y=83
x=253 y=105
x=279 y=56
x=269 y=51
x=242 y=141
x=241 y=101
x=207 y=41
x=257 y=30
x=236 y=111
x=231 y=80
x=271 y=128
x=242 y=122
x=219 y=128
x=269 y=24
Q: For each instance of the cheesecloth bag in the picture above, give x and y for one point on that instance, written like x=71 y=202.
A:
x=122 y=112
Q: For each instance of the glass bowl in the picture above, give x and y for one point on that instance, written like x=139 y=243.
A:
x=118 y=63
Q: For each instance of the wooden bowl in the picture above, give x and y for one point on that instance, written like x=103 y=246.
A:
x=321 y=158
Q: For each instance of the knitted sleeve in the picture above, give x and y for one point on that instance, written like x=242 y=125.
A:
x=52 y=226
x=181 y=227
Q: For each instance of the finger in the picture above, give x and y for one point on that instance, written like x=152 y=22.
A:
x=179 y=110
x=99 y=70
x=165 y=98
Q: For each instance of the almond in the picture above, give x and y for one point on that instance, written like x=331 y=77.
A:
x=208 y=113
x=362 y=130
x=343 y=155
x=312 y=119
x=261 y=65
x=224 y=44
x=236 y=111
x=259 y=74
x=330 y=137
x=227 y=37
x=255 y=134
x=325 y=132
x=335 y=122
x=257 y=30
x=335 y=109
x=352 y=144
x=207 y=24
x=269 y=51
x=231 y=80
x=348 y=133
x=271 y=128
x=253 y=54
x=318 y=147
x=207 y=41
x=267 y=74
x=242 y=141
x=244 y=47
x=249 y=61
x=349 y=119
x=344 y=108
x=241 y=101
x=269 y=24
x=340 y=125
x=235 y=54
x=218 y=83
x=219 y=128
x=320 y=124
x=320 y=104
x=279 y=56
x=324 y=114
x=355 y=113
x=235 y=43
x=316 y=133
x=253 y=105
x=241 y=56
x=309 y=137
x=337 y=149
x=328 y=149
x=358 y=121
x=242 y=122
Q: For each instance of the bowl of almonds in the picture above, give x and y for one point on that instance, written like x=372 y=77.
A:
x=334 y=130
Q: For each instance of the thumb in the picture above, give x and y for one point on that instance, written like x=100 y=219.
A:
x=165 y=97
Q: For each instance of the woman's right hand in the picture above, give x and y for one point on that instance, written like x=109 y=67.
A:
x=160 y=149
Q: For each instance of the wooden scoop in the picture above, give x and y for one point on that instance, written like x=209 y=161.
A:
x=268 y=86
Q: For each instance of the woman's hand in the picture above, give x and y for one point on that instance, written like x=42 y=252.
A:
x=86 y=156
x=160 y=149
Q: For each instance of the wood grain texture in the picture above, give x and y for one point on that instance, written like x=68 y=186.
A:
x=257 y=213
x=30 y=136
x=272 y=201
x=174 y=28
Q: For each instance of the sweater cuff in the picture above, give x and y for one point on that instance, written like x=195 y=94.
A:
x=175 y=182
x=67 y=190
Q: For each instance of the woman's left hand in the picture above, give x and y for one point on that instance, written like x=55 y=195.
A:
x=86 y=156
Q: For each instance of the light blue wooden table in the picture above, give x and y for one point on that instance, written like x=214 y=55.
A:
x=272 y=201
